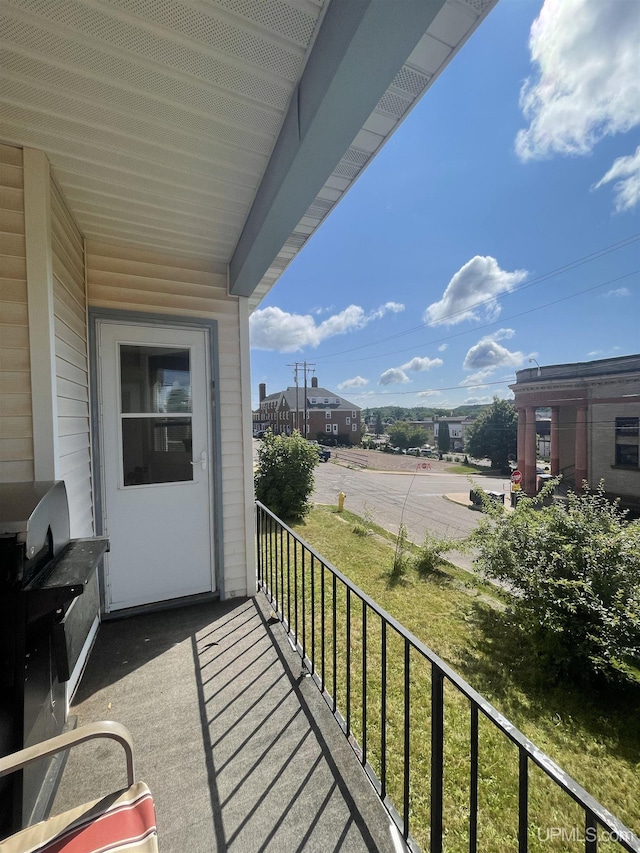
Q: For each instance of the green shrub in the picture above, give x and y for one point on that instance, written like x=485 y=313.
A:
x=575 y=574
x=429 y=556
x=284 y=475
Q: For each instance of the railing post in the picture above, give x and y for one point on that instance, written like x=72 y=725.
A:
x=364 y=682
x=590 y=832
x=473 y=781
x=348 y=640
x=335 y=644
x=523 y=802
x=259 y=543
x=437 y=756
x=383 y=711
x=295 y=591
x=322 y=625
x=313 y=615
x=407 y=738
x=278 y=563
x=289 y=581
x=271 y=534
x=304 y=607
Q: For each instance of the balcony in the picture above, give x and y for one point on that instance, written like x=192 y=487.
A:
x=232 y=739
x=255 y=738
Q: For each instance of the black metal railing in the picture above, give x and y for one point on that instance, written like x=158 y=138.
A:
x=386 y=689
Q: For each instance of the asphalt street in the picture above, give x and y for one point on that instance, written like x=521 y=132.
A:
x=416 y=499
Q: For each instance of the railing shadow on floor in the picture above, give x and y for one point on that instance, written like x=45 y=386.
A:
x=238 y=748
x=386 y=689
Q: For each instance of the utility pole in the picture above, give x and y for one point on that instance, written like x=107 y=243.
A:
x=305 y=400
x=305 y=368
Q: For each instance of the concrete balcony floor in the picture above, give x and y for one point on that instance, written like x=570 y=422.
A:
x=237 y=745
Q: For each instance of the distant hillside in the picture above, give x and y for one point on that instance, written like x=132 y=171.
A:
x=419 y=413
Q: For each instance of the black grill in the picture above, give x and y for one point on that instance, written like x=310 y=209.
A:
x=41 y=571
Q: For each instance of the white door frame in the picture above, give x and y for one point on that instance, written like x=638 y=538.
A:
x=97 y=316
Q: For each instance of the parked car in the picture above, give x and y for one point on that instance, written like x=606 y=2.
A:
x=324 y=453
x=413 y=451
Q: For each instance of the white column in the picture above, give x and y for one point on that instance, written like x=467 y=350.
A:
x=37 y=223
x=247 y=448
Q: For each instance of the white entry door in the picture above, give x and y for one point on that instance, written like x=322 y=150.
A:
x=156 y=463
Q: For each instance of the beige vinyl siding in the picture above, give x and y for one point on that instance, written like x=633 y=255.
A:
x=119 y=277
x=72 y=370
x=16 y=426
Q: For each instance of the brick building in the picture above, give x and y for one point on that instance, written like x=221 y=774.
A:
x=319 y=414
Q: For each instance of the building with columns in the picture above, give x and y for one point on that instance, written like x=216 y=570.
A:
x=595 y=423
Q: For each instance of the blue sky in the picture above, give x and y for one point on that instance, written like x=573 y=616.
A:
x=500 y=223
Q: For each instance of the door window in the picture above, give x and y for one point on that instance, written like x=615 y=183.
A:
x=155 y=414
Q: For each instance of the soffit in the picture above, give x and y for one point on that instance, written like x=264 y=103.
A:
x=160 y=117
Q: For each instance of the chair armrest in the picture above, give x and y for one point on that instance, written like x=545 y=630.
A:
x=106 y=729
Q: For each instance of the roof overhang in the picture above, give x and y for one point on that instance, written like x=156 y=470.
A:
x=360 y=48
x=226 y=130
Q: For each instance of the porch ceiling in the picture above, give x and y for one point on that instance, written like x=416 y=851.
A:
x=224 y=130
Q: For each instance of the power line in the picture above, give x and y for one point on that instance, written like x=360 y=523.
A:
x=614 y=247
x=476 y=329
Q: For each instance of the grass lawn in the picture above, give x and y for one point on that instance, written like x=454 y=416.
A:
x=595 y=737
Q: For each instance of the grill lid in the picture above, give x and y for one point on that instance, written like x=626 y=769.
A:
x=29 y=510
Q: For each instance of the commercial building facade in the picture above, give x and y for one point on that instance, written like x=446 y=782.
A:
x=595 y=423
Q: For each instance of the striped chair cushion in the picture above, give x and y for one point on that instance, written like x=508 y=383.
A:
x=123 y=821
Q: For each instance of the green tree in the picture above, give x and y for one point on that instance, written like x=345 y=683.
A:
x=417 y=436
x=575 y=574
x=444 y=438
x=494 y=434
x=399 y=434
x=404 y=434
x=284 y=475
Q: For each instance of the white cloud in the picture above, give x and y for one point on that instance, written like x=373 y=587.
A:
x=275 y=329
x=618 y=293
x=480 y=280
x=627 y=189
x=586 y=84
x=476 y=401
x=428 y=393
x=602 y=352
x=488 y=354
x=397 y=375
x=442 y=347
x=356 y=382
x=502 y=334
x=418 y=363
x=393 y=376
x=478 y=378
x=387 y=308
